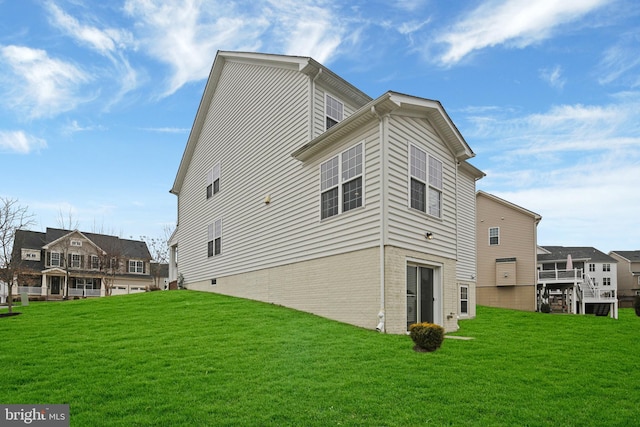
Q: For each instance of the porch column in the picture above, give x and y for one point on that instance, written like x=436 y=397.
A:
x=43 y=283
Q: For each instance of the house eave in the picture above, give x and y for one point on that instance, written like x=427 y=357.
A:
x=391 y=103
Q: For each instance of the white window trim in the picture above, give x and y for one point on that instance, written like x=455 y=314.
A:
x=342 y=181
x=59 y=263
x=76 y=242
x=214 y=232
x=73 y=264
x=135 y=270
x=426 y=181
x=326 y=110
x=498 y=236
x=460 y=299
x=213 y=175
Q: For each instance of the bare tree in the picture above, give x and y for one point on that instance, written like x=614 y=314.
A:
x=13 y=217
x=159 y=249
x=66 y=222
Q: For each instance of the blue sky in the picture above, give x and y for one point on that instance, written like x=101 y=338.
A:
x=97 y=98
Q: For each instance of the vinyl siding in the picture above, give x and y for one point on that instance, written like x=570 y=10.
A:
x=407 y=226
x=517 y=240
x=251 y=129
x=466 y=266
x=319 y=123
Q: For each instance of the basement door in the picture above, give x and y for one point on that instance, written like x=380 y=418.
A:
x=421 y=295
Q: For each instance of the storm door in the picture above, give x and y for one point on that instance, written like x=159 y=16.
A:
x=55 y=285
x=420 y=294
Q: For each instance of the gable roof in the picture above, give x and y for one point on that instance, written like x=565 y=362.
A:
x=630 y=256
x=305 y=65
x=36 y=240
x=392 y=101
x=578 y=253
x=508 y=204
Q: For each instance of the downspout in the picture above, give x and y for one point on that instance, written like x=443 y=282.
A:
x=383 y=135
x=312 y=95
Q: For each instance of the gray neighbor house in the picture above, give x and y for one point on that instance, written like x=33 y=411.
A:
x=296 y=188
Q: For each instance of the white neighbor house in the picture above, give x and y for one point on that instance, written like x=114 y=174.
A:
x=298 y=189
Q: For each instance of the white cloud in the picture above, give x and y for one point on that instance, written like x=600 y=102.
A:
x=518 y=23
x=553 y=76
x=307 y=28
x=20 y=142
x=108 y=43
x=39 y=85
x=186 y=34
x=620 y=60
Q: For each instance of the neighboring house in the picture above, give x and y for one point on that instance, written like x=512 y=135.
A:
x=95 y=264
x=298 y=189
x=4 y=291
x=160 y=274
x=579 y=280
x=506 y=242
x=628 y=276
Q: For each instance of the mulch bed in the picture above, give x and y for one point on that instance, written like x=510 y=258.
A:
x=9 y=314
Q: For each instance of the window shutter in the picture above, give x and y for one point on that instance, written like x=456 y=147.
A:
x=48 y=259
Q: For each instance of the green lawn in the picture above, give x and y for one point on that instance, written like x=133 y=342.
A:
x=195 y=359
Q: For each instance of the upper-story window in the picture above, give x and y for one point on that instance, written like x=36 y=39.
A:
x=494 y=236
x=426 y=182
x=55 y=259
x=592 y=267
x=136 y=266
x=30 y=254
x=334 y=111
x=95 y=262
x=606 y=281
x=213 y=180
x=606 y=267
x=214 y=238
x=75 y=242
x=341 y=182
x=76 y=261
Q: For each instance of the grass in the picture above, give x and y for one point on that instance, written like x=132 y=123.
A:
x=187 y=358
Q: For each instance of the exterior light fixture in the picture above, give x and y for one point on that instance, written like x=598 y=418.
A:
x=428 y=235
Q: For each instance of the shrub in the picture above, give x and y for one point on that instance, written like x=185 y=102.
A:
x=636 y=304
x=427 y=336
x=545 y=307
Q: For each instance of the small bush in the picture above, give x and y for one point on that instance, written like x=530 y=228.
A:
x=427 y=336
x=636 y=304
x=545 y=307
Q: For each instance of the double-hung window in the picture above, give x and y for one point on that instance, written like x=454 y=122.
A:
x=464 y=300
x=136 y=266
x=606 y=267
x=426 y=182
x=95 y=262
x=341 y=182
x=334 y=111
x=214 y=238
x=54 y=260
x=213 y=180
x=494 y=236
x=76 y=261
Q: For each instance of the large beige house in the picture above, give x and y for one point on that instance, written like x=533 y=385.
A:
x=506 y=242
x=60 y=263
x=628 y=270
x=296 y=188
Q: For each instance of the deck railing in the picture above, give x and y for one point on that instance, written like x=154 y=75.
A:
x=560 y=275
x=79 y=292
x=31 y=290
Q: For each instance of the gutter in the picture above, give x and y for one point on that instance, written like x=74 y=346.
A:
x=383 y=135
